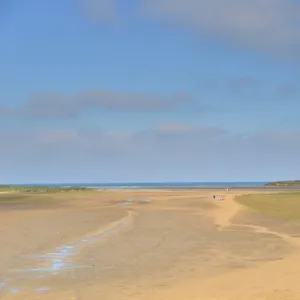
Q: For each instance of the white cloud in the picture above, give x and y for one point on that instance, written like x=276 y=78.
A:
x=259 y=24
x=62 y=106
x=100 y=10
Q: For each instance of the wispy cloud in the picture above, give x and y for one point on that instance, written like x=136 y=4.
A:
x=269 y=25
x=246 y=88
x=167 y=151
x=100 y=10
x=176 y=128
x=5 y=111
x=287 y=92
x=60 y=106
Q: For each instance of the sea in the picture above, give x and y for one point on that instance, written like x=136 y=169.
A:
x=151 y=185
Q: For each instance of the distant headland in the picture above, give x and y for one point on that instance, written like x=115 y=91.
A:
x=287 y=183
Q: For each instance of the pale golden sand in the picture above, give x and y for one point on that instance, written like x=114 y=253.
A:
x=184 y=245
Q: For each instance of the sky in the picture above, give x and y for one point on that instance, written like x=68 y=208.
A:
x=149 y=90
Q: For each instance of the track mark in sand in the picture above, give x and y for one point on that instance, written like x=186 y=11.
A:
x=273 y=280
x=134 y=201
x=110 y=229
x=294 y=241
x=227 y=209
x=62 y=258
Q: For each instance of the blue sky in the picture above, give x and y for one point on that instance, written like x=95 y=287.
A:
x=160 y=90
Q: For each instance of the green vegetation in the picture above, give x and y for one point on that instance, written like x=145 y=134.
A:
x=14 y=198
x=283 y=205
x=42 y=189
x=291 y=183
x=35 y=196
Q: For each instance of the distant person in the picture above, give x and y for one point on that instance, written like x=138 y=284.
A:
x=214 y=196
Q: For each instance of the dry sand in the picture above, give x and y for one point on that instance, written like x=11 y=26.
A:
x=180 y=245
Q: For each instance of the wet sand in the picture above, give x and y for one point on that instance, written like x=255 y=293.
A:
x=144 y=245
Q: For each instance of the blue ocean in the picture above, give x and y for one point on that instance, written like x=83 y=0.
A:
x=138 y=185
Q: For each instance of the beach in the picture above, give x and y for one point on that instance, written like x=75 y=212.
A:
x=145 y=244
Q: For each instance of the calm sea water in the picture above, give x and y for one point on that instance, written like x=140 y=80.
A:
x=154 y=184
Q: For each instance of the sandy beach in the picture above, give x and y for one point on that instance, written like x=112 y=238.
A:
x=145 y=245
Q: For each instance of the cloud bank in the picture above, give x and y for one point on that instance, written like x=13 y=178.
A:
x=259 y=24
x=168 y=151
x=61 y=106
x=267 y=25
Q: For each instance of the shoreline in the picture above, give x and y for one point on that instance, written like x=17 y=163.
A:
x=182 y=242
x=205 y=188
